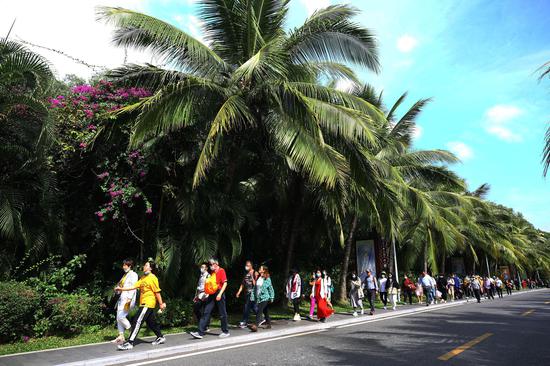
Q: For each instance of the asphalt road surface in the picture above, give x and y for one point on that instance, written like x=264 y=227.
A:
x=514 y=330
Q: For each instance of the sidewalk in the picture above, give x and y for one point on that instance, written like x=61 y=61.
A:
x=107 y=354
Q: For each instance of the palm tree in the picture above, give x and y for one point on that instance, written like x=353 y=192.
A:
x=253 y=83
x=28 y=213
x=545 y=72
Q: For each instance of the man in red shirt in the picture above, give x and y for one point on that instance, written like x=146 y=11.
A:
x=216 y=299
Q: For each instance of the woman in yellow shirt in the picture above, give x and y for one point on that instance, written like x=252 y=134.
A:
x=149 y=295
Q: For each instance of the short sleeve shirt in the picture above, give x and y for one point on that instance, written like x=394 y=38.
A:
x=221 y=277
x=248 y=282
x=148 y=285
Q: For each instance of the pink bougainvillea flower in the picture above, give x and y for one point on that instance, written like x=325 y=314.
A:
x=83 y=145
x=149 y=210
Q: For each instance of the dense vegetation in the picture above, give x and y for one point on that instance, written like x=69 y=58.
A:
x=241 y=148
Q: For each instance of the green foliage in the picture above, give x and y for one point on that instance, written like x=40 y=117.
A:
x=70 y=313
x=178 y=313
x=18 y=304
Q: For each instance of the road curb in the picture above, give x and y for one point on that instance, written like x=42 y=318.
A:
x=200 y=345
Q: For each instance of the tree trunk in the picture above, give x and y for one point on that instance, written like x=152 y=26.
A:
x=295 y=224
x=347 y=254
x=426 y=257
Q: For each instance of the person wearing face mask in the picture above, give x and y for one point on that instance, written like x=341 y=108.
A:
x=383 y=292
x=392 y=288
x=126 y=300
x=263 y=295
x=294 y=292
x=149 y=296
x=319 y=292
x=408 y=289
x=247 y=284
x=371 y=285
x=356 y=294
x=214 y=286
x=200 y=295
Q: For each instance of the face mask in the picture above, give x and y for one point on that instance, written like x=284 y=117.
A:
x=211 y=268
x=126 y=270
x=146 y=272
x=247 y=269
x=354 y=276
x=203 y=270
x=383 y=276
x=317 y=275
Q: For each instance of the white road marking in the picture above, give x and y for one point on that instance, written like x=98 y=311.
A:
x=224 y=348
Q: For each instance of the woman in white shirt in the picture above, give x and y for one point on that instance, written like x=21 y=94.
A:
x=126 y=301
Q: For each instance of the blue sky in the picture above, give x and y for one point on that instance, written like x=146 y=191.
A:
x=476 y=59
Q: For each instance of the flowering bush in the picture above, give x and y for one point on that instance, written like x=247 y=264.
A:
x=82 y=114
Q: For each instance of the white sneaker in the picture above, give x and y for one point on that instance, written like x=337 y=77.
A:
x=224 y=335
x=393 y=308
x=297 y=317
x=385 y=308
x=262 y=323
x=355 y=313
x=196 y=335
x=126 y=346
x=242 y=325
x=159 y=340
x=362 y=312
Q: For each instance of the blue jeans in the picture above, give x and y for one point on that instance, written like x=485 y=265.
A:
x=207 y=313
x=429 y=294
x=249 y=305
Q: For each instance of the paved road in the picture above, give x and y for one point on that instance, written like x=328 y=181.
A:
x=510 y=331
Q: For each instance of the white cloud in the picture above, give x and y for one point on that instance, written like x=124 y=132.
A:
x=345 y=85
x=69 y=26
x=460 y=149
x=191 y=24
x=406 y=43
x=313 y=5
x=417 y=132
x=498 y=122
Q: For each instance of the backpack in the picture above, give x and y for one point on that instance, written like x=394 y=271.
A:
x=211 y=285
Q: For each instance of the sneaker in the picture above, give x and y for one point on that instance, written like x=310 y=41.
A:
x=242 y=325
x=261 y=323
x=355 y=313
x=268 y=326
x=322 y=320
x=308 y=317
x=393 y=308
x=125 y=346
x=196 y=335
x=385 y=308
x=224 y=335
x=119 y=340
x=371 y=313
x=297 y=317
x=159 y=340
x=362 y=312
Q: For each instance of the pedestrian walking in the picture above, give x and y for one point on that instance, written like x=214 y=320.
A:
x=294 y=292
x=382 y=289
x=509 y=287
x=392 y=288
x=263 y=295
x=442 y=287
x=408 y=289
x=371 y=285
x=451 y=288
x=149 y=297
x=200 y=296
x=215 y=287
x=458 y=287
x=475 y=285
x=312 y=296
x=488 y=289
x=499 y=285
x=324 y=307
x=330 y=286
x=356 y=294
x=126 y=300
x=419 y=290
x=247 y=285
x=467 y=288
x=427 y=287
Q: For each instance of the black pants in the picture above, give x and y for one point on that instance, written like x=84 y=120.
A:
x=263 y=311
x=477 y=294
x=384 y=298
x=508 y=290
x=147 y=315
x=207 y=313
x=408 y=294
x=443 y=291
x=296 y=305
x=499 y=291
x=489 y=293
x=371 y=296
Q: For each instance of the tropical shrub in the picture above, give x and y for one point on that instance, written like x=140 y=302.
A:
x=18 y=303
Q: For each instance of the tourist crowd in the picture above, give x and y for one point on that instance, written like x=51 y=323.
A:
x=256 y=290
